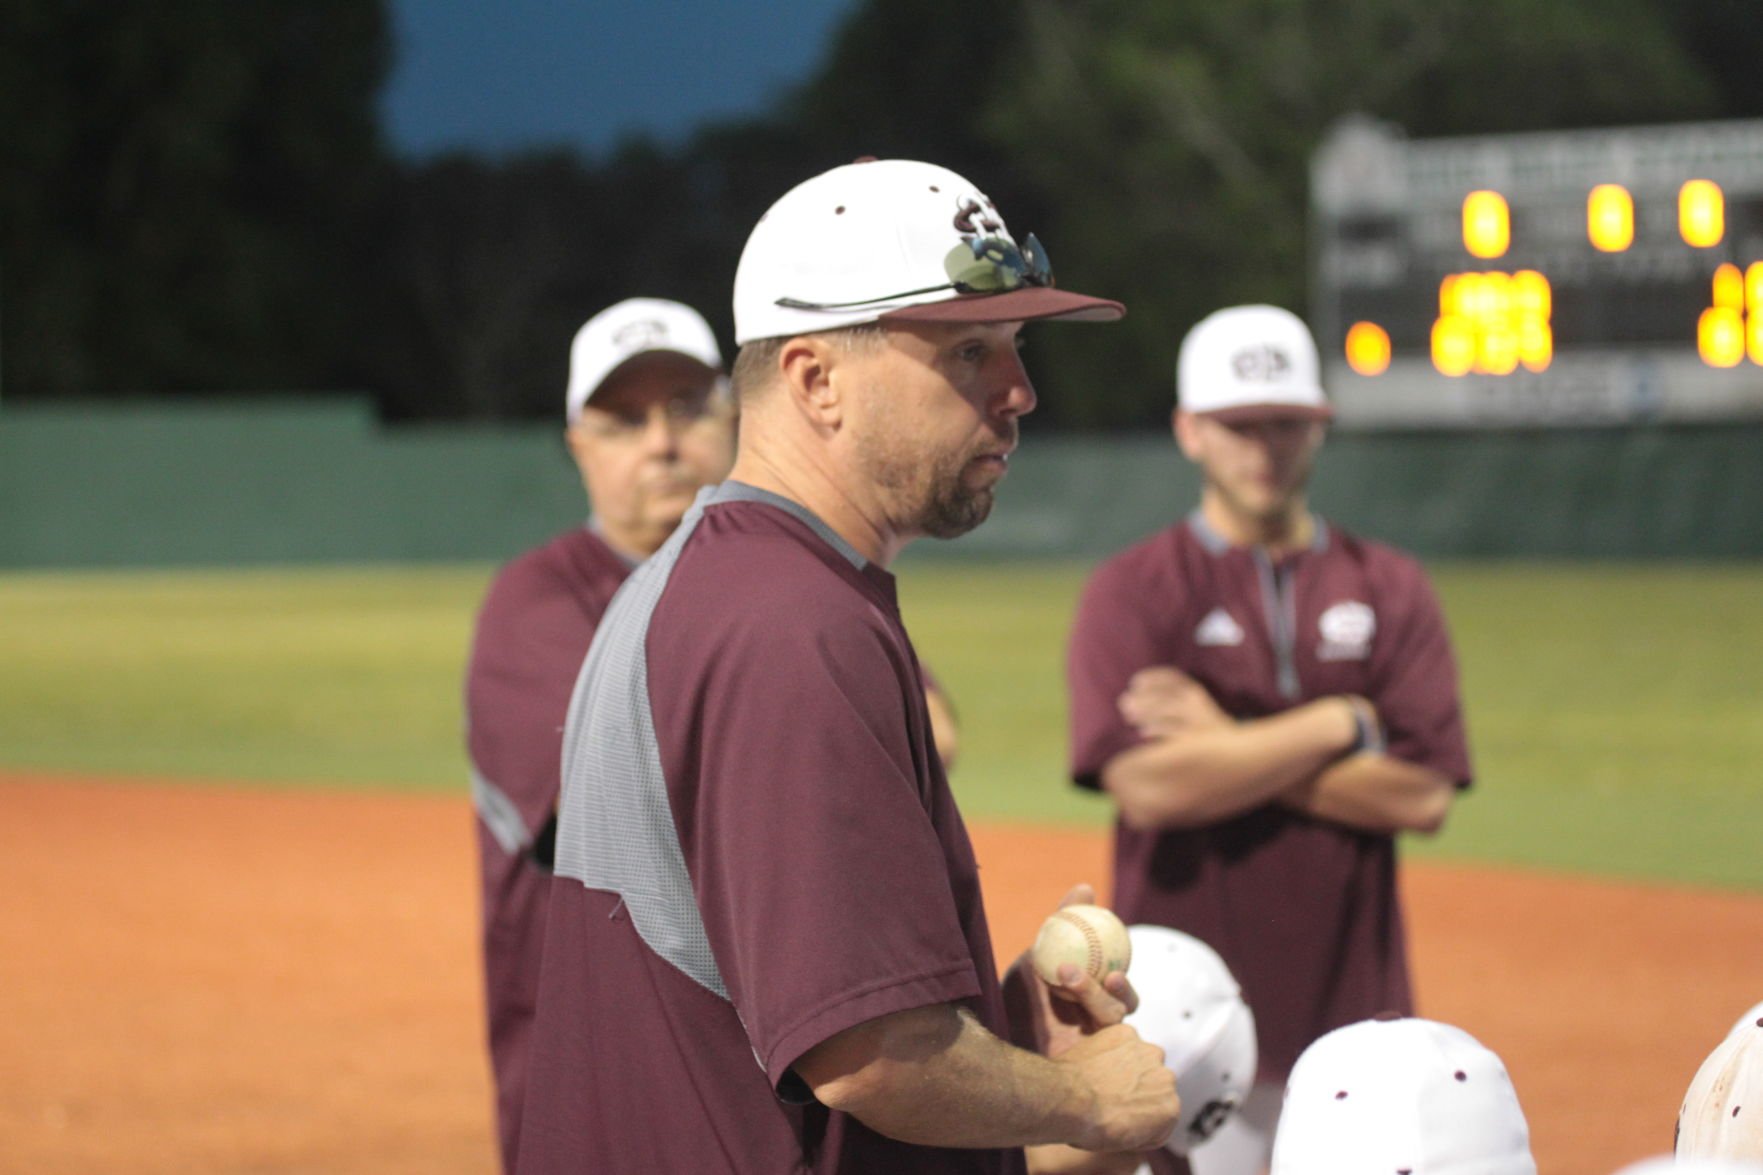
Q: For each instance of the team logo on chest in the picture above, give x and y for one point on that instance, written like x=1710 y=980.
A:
x=1219 y=630
x=1346 y=630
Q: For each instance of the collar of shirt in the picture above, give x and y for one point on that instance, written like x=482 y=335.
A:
x=1216 y=544
x=599 y=532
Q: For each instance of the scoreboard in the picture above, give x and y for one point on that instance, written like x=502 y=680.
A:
x=1597 y=277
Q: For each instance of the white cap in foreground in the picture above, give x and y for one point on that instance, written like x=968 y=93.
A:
x=1666 y=1165
x=1191 y=1007
x=1751 y=1016
x=893 y=240
x=1722 y=1114
x=1250 y=363
x=1401 y=1096
x=630 y=328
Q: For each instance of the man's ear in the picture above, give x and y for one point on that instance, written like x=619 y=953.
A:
x=575 y=440
x=807 y=364
x=1186 y=432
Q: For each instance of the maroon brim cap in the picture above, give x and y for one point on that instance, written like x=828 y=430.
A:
x=1264 y=413
x=1024 y=305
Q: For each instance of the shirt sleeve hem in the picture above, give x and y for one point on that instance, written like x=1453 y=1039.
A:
x=1461 y=777
x=1087 y=771
x=958 y=981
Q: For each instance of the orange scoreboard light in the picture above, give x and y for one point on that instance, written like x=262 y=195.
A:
x=1560 y=278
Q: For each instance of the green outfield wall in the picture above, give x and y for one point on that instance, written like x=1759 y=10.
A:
x=320 y=480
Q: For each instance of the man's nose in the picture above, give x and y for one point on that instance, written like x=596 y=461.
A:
x=1019 y=397
x=660 y=430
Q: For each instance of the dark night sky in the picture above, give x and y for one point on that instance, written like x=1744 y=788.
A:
x=503 y=75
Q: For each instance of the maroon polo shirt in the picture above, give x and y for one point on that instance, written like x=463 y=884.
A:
x=757 y=849
x=1304 y=911
x=532 y=633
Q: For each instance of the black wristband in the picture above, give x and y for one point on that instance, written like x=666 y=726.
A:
x=1367 y=735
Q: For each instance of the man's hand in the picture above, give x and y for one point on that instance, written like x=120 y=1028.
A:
x=1059 y=1159
x=1049 y=1020
x=1162 y=701
x=1135 y=1095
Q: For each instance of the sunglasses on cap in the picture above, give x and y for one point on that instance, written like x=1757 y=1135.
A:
x=982 y=265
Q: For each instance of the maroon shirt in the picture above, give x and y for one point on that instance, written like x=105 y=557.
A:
x=1303 y=911
x=532 y=633
x=757 y=850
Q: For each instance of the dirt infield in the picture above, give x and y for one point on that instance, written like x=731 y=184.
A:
x=208 y=980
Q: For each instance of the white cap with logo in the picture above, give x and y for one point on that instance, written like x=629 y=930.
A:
x=1401 y=1096
x=1191 y=1007
x=1722 y=1114
x=1250 y=363
x=893 y=240
x=630 y=328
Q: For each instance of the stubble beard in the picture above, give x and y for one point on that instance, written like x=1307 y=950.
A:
x=930 y=495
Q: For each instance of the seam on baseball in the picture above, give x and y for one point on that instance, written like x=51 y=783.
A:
x=1091 y=939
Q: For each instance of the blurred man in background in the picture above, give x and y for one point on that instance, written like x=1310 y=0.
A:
x=1268 y=700
x=650 y=423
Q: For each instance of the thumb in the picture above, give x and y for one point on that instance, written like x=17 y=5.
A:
x=1081 y=894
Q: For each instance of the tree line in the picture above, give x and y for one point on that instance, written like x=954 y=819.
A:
x=198 y=198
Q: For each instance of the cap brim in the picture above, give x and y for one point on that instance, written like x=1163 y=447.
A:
x=639 y=356
x=1264 y=413
x=1024 y=305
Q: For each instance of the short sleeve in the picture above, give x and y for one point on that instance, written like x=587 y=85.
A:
x=1414 y=681
x=532 y=634
x=1112 y=637
x=823 y=883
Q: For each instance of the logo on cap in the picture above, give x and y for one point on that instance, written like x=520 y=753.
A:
x=988 y=221
x=1263 y=362
x=1212 y=1115
x=645 y=334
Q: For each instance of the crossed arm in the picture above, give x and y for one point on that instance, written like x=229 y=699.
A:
x=1200 y=766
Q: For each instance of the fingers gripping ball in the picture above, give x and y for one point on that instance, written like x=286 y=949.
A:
x=1090 y=938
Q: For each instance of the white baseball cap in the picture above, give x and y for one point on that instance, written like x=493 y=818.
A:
x=1250 y=363
x=1751 y=1016
x=630 y=328
x=1668 y=1165
x=885 y=241
x=1722 y=1114
x=1401 y=1096
x=1191 y=1007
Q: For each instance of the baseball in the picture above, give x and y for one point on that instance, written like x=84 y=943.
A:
x=1089 y=937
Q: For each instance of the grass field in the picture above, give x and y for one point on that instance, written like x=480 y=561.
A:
x=1616 y=713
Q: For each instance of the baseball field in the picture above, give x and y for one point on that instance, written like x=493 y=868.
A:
x=238 y=912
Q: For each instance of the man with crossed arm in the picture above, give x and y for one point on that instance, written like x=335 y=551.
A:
x=1268 y=700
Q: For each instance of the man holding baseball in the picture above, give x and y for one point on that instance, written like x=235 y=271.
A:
x=766 y=949
x=1269 y=700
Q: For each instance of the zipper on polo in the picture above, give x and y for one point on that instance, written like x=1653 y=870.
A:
x=1277 y=597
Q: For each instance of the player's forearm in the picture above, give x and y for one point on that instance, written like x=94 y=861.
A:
x=1204 y=776
x=1058 y=1159
x=936 y=1077
x=1375 y=793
